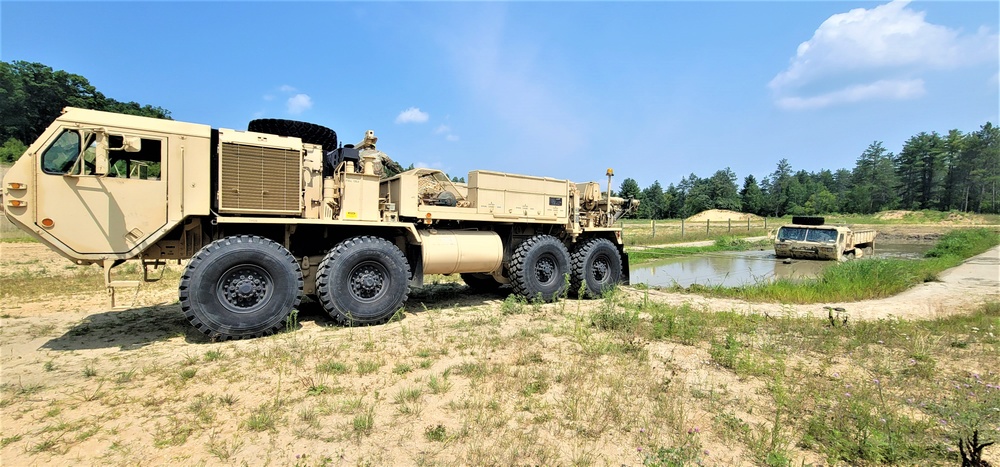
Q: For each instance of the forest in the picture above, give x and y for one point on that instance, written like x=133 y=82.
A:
x=32 y=95
x=952 y=171
x=955 y=171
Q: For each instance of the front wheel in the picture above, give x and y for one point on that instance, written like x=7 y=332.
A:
x=238 y=287
x=597 y=267
x=363 y=280
x=538 y=267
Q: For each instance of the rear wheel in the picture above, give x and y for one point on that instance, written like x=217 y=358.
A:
x=597 y=267
x=363 y=280
x=238 y=287
x=538 y=267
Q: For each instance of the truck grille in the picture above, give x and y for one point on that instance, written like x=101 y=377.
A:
x=259 y=180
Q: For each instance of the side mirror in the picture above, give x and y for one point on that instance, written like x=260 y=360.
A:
x=131 y=143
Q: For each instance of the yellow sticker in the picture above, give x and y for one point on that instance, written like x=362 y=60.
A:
x=351 y=215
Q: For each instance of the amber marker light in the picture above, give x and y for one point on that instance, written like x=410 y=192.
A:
x=48 y=223
x=16 y=186
x=16 y=203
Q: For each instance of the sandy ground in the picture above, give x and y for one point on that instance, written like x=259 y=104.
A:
x=79 y=330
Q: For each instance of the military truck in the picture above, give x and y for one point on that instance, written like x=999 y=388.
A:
x=281 y=211
x=808 y=237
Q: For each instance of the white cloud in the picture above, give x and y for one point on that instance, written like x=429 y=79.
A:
x=287 y=88
x=268 y=97
x=446 y=131
x=886 y=89
x=864 y=49
x=412 y=115
x=299 y=103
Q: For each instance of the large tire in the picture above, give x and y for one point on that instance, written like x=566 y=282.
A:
x=239 y=287
x=538 y=268
x=363 y=280
x=307 y=132
x=597 y=267
x=483 y=283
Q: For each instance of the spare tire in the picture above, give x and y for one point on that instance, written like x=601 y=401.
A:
x=308 y=132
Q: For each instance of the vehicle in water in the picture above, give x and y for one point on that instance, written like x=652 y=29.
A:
x=809 y=237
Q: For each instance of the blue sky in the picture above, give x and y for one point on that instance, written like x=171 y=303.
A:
x=655 y=90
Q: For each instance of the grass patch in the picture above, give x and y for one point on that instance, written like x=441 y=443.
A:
x=264 y=418
x=30 y=285
x=872 y=392
x=332 y=367
x=867 y=278
x=436 y=433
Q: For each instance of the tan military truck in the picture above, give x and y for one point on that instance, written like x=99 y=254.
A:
x=268 y=215
x=809 y=238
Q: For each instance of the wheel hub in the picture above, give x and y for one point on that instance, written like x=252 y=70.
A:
x=545 y=270
x=601 y=267
x=244 y=288
x=367 y=281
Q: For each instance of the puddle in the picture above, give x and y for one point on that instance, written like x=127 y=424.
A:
x=735 y=268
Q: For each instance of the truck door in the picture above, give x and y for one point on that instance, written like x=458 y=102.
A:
x=100 y=192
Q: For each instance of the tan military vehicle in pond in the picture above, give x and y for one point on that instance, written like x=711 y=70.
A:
x=809 y=238
x=280 y=211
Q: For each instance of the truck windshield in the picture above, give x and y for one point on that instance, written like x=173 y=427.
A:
x=792 y=233
x=822 y=236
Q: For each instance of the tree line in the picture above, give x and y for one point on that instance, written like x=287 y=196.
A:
x=32 y=95
x=955 y=171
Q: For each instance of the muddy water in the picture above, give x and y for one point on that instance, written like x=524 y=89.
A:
x=734 y=268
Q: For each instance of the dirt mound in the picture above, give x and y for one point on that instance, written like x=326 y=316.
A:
x=890 y=215
x=721 y=215
x=933 y=217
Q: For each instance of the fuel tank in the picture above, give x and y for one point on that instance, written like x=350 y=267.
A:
x=457 y=251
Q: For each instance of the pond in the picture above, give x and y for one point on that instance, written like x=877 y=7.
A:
x=735 y=268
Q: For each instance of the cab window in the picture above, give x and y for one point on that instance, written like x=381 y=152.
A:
x=60 y=158
x=792 y=233
x=822 y=236
x=142 y=165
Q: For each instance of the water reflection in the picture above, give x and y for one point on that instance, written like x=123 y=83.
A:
x=737 y=268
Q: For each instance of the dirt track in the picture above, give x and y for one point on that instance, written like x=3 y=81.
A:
x=139 y=407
